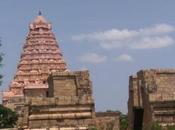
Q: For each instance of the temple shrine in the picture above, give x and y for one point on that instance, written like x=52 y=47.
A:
x=48 y=96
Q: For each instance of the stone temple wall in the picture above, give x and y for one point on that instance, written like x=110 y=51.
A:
x=49 y=112
x=69 y=99
x=153 y=91
x=69 y=84
x=69 y=104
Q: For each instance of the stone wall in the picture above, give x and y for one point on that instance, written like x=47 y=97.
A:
x=30 y=92
x=69 y=100
x=69 y=84
x=69 y=104
x=150 y=87
x=40 y=113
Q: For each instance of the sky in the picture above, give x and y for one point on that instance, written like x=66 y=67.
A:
x=113 y=39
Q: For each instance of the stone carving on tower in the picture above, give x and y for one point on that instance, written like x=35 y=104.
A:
x=41 y=55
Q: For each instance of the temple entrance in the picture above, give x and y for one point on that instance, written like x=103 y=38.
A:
x=138 y=118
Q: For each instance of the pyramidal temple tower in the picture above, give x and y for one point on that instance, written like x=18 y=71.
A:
x=41 y=55
x=45 y=94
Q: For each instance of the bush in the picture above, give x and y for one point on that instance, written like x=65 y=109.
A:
x=123 y=122
x=8 y=117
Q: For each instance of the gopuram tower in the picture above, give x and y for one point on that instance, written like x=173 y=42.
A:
x=41 y=55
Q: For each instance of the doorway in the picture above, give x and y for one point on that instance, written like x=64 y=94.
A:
x=138 y=118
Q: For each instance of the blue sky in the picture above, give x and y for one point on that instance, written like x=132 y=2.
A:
x=111 y=38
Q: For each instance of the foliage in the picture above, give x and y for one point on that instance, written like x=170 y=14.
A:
x=156 y=126
x=92 y=128
x=8 y=117
x=109 y=110
x=123 y=121
x=171 y=127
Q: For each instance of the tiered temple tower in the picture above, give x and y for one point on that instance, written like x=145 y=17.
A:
x=40 y=56
x=46 y=95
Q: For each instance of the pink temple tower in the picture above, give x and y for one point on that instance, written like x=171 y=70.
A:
x=41 y=55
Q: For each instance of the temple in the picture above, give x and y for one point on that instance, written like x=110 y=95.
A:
x=41 y=55
x=151 y=99
x=46 y=94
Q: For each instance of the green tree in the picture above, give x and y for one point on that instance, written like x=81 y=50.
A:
x=8 y=117
x=156 y=126
x=123 y=121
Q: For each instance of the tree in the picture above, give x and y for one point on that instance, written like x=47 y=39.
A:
x=123 y=121
x=8 y=117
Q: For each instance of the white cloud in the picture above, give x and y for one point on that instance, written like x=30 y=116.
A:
x=153 y=42
x=157 y=36
x=124 y=57
x=92 y=58
x=157 y=29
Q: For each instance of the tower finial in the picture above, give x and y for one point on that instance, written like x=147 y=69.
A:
x=39 y=13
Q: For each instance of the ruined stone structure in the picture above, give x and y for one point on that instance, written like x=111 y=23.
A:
x=151 y=98
x=48 y=96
